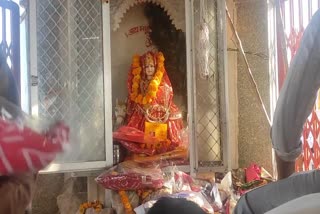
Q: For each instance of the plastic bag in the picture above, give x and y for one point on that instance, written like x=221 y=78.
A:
x=184 y=135
x=212 y=194
x=184 y=182
x=26 y=144
x=227 y=193
x=130 y=176
x=179 y=181
x=174 y=181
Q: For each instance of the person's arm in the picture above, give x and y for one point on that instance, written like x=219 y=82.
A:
x=270 y=196
x=297 y=98
x=305 y=204
x=284 y=168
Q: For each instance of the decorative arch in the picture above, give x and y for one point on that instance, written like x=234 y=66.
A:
x=174 y=9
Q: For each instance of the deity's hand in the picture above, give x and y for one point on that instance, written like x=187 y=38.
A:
x=157 y=113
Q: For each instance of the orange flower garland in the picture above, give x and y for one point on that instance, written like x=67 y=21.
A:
x=125 y=201
x=143 y=194
x=154 y=83
x=96 y=205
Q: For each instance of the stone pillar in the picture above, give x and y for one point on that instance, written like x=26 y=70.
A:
x=254 y=130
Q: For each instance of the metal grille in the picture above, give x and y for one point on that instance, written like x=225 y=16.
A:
x=10 y=36
x=207 y=94
x=70 y=72
x=296 y=15
x=311 y=147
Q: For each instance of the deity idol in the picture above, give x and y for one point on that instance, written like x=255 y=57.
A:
x=150 y=99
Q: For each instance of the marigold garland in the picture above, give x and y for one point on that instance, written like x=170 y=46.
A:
x=125 y=201
x=153 y=85
x=143 y=194
x=96 y=205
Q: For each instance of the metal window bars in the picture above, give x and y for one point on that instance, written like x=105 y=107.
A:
x=10 y=36
x=208 y=105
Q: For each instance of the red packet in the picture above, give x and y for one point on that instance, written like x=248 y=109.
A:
x=253 y=173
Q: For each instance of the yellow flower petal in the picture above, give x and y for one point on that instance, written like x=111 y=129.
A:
x=152 y=93
x=144 y=101
x=148 y=97
x=135 y=64
x=152 y=87
x=136 y=70
x=136 y=58
x=139 y=98
x=155 y=81
x=136 y=78
x=133 y=96
x=159 y=75
x=160 y=57
x=160 y=66
x=135 y=85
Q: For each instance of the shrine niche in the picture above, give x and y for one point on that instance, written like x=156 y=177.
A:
x=174 y=9
x=142 y=26
x=148 y=60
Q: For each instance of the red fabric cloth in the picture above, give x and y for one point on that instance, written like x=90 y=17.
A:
x=136 y=118
x=131 y=176
x=24 y=150
x=130 y=134
x=135 y=148
x=130 y=181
